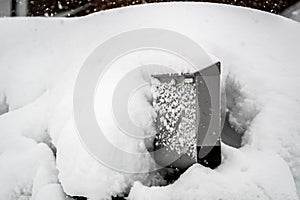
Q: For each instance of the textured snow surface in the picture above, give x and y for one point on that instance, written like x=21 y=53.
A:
x=244 y=174
x=41 y=155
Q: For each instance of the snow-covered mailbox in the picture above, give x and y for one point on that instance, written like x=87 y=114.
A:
x=188 y=119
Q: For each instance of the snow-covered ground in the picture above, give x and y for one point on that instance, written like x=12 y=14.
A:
x=41 y=156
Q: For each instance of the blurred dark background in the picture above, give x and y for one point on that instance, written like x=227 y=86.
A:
x=71 y=8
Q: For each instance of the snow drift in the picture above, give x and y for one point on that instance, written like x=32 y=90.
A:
x=41 y=155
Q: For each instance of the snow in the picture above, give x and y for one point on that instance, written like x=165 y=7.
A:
x=26 y=169
x=51 y=191
x=170 y=99
x=243 y=175
x=41 y=155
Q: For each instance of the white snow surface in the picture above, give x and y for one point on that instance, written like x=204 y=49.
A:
x=39 y=61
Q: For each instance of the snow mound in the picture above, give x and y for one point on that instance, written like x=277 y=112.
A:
x=41 y=154
x=244 y=174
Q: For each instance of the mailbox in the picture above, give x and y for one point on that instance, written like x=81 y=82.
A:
x=188 y=119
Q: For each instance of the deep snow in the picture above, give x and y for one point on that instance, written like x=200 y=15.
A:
x=39 y=61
